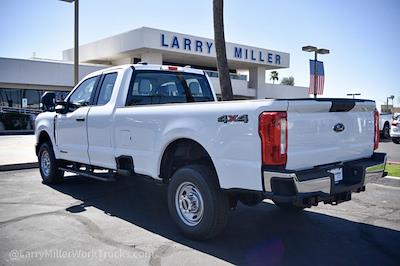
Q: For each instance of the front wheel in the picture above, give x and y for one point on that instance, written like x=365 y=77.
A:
x=48 y=165
x=396 y=141
x=196 y=202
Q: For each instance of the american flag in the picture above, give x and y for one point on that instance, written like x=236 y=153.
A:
x=320 y=76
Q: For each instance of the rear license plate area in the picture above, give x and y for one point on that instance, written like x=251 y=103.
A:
x=338 y=174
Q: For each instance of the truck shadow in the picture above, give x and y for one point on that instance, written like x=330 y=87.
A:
x=388 y=140
x=261 y=235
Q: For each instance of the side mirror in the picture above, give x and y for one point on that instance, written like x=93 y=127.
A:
x=61 y=107
x=48 y=101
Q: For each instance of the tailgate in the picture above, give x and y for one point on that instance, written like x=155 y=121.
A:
x=326 y=131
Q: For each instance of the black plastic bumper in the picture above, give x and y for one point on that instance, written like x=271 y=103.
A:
x=309 y=187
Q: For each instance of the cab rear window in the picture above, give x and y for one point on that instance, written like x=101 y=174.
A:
x=161 y=87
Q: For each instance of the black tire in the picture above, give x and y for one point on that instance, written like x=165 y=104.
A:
x=48 y=165
x=386 y=131
x=288 y=206
x=396 y=141
x=215 y=203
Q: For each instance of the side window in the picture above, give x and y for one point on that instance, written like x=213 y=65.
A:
x=198 y=87
x=106 y=88
x=156 y=88
x=81 y=96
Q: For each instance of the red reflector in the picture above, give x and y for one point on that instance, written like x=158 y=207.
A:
x=273 y=133
x=173 y=68
x=376 y=130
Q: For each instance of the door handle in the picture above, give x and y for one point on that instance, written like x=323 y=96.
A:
x=80 y=119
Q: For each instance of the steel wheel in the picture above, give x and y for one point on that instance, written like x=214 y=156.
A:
x=48 y=166
x=189 y=204
x=45 y=163
x=386 y=131
x=196 y=202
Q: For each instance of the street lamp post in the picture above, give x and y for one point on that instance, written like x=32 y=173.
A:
x=387 y=102
x=76 y=40
x=316 y=51
x=353 y=94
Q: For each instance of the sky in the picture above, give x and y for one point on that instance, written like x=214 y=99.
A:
x=362 y=35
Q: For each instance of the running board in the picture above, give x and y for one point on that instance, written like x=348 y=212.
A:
x=108 y=177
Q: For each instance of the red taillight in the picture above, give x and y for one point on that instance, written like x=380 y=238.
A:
x=273 y=133
x=376 y=130
x=173 y=68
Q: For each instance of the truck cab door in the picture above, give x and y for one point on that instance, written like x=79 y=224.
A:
x=100 y=123
x=71 y=127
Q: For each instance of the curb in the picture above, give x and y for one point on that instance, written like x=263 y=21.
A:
x=18 y=166
x=392 y=177
x=17 y=132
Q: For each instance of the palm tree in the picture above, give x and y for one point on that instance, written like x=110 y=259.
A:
x=274 y=76
x=220 y=49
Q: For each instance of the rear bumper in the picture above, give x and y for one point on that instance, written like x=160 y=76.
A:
x=308 y=187
x=395 y=134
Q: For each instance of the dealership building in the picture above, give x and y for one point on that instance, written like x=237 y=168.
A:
x=23 y=81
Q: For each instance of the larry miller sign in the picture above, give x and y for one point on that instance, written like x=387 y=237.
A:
x=235 y=52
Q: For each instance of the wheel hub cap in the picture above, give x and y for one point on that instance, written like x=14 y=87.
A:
x=189 y=203
x=45 y=163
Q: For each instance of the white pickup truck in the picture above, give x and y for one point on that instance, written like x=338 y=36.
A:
x=164 y=122
x=385 y=120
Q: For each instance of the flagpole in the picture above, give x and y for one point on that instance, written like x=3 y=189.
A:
x=315 y=74
x=316 y=51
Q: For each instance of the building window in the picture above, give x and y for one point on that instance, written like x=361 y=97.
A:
x=19 y=107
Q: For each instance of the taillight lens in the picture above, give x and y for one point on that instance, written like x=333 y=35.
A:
x=376 y=130
x=273 y=133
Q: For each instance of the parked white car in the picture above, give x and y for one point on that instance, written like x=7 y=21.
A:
x=385 y=119
x=395 y=130
x=164 y=122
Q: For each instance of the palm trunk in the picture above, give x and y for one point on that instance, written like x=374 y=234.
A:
x=220 y=49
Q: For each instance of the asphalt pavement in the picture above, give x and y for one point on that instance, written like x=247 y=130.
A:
x=89 y=222
x=392 y=150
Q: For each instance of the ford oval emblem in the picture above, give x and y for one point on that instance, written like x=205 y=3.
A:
x=339 y=127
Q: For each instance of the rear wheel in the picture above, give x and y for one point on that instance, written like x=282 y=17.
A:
x=288 y=206
x=386 y=131
x=48 y=165
x=196 y=202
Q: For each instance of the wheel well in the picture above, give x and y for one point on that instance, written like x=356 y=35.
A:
x=183 y=152
x=43 y=137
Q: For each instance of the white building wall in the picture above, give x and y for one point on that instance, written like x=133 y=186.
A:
x=41 y=72
x=122 y=61
x=267 y=90
x=132 y=42
x=279 y=91
x=256 y=77
x=239 y=87
x=152 y=58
